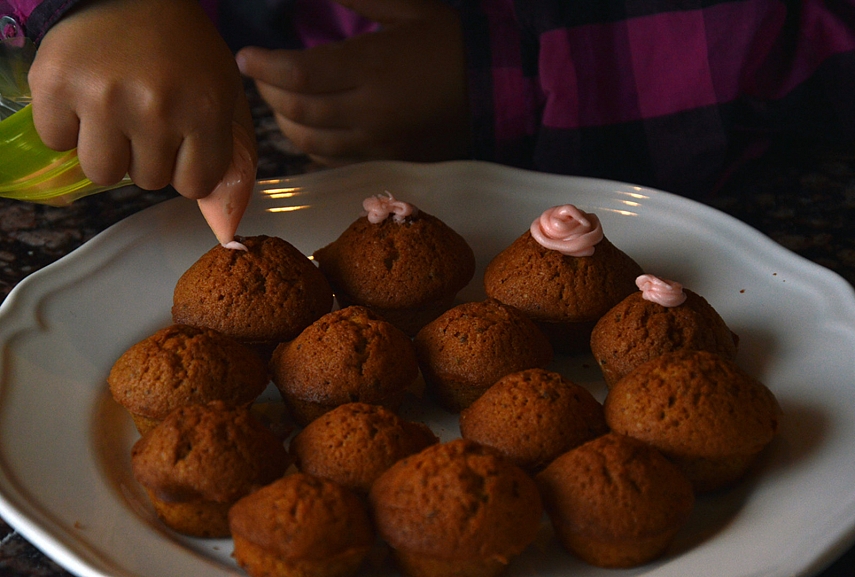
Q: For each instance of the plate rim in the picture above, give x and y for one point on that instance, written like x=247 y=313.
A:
x=14 y=308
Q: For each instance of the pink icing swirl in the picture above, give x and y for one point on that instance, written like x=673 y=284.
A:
x=236 y=245
x=379 y=207
x=568 y=230
x=667 y=293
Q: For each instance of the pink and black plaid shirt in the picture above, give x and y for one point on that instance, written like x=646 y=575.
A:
x=665 y=93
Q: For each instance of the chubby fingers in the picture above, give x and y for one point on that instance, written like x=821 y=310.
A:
x=314 y=88
x=346 y=144
x=106 y=154
x=192 y=162
x=320 y=70
x=332 y=110
x=200 y=160
x=192 y=159
x=55 y=122
x=154 y=154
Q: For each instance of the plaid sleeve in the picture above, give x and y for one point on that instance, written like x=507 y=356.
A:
x=45 y=15
x=664 y=94
x=42 y=14
x=504 y=102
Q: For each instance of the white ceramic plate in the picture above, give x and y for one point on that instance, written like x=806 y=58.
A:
x=65 y=479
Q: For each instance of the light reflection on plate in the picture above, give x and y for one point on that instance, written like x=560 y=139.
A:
x=65 y=479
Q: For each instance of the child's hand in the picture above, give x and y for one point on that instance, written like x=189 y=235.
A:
x=398 y=93
x=141 y=87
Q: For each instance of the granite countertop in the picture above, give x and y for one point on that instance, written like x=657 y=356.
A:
x=803 y=198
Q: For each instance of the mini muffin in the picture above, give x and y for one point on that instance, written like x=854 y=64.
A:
x=456 y=509
x=564 y=274
x=355 y=443
x=533 y=416
x=264 y=295
x=181 y=365
x=471 y=346
x=660 y=317
x=301 y=526
x=402 y=263
x=615 y=502
x=349 y=355
x=700 y=410
x=200 y=460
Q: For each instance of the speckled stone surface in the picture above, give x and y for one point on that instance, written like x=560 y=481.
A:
x=802 y=198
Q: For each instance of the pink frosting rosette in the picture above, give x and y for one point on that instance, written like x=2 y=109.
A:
x=568 y=230
x=667 y=293
x=380 y=206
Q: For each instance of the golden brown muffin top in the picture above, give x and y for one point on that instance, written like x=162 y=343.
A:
x=615 y=488
x=398 y=265
x=549 y=286
x=355 y=443
x=637 y=330
x=480 y=342
x=347 y=355
x=694 y=403
x=268 y=293
x=210 y=452
x=302 y=517
x=532 y=416
x=457 y=500
x=180 y=365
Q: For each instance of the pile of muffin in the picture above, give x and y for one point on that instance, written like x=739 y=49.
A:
x=617 y=480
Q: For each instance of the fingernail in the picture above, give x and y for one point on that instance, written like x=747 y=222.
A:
x=240 y=59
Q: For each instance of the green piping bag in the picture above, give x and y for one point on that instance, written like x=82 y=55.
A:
x=31 y=171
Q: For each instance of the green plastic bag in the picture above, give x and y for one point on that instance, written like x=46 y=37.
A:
x=29 y=170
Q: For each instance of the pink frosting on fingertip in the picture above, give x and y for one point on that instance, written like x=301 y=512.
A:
x=568 y=230
x=667 y=293
x=379 y=207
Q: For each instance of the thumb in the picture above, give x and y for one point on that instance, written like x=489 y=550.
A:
x=388 y=11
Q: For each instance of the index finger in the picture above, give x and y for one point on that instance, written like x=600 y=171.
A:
x=323 y=69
